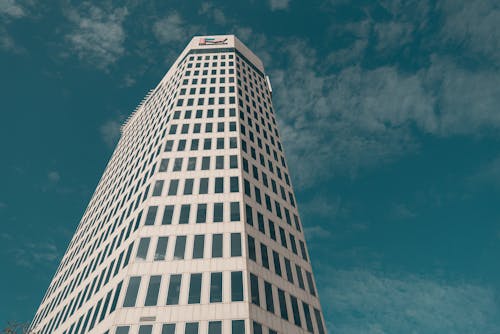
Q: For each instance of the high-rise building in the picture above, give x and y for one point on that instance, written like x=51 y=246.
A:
x=193 y=227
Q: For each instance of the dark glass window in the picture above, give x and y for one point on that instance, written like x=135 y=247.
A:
x=199 y=246
x=194 y=289
x=167 y=215
x=142 y=249
x=257 y=328
x=251 y=248
x=188 y=186
x=161 y=249
x=249 y=214
x=204 y=185
x=153 y=289
x=180 y=246
x=277 y=263
x=201 y=213
x=191 y=327
x=168 y=329
x=235 y=211
x=236 y=286
x=283 y=308
x=268 y=289
x=310 y=283
x=288 y=269
x=132 y=289
x=218 y=212
x=216 y=245
x=307 y=316
x=319 y=321
x=216 y=287
x=295 y=310
x=219 y=185
x=254 y=289
x=215 y=327
x=158 y=187
x=151 y=216
x=235 y=244
x=174 y=289
x=184 y=216
x=172 y=190
x=238 y=326
x=234 y=184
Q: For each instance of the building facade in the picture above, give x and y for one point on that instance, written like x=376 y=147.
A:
x=193 y=227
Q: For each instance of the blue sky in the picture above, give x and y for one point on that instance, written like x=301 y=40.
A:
x=389 y=112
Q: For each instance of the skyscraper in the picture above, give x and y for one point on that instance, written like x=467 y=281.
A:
x=193 y=227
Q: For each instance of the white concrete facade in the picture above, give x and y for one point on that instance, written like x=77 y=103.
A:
x=193 y=227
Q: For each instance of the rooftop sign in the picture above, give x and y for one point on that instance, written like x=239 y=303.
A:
x=212 y=41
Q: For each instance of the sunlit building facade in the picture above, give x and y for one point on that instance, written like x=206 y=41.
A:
x=193 y=227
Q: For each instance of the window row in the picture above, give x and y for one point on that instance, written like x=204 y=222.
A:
x=186 y=128
x=265 y=261
x=202 y=114
x=194 y=213
x=210 y=101
x=210 y=327
x=199 y=246
x=194 y=288
x=202 y=186
x=198 y=163
x=265 y=295
x=207 y=144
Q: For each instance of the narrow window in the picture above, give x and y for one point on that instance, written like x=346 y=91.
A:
x=282 y=300
x=249 y=214
x=236 y=286
x=288 y=269
x=235 y=244
x=219 y=185
x=203 y=186
x=319 y=321
x=201 y=213
x=300 y=278
x=257 y=328
x=180 y=246
x=188 y=186
x=254 y=289
x=251 y=248
x=218 y=212
x=158 y=188
x=234 y=184
x=153 y=289
x=277 y=263
x=198 y=247
x=238 y=326
x=161 y=249
x=310 y=283
x=268 y=289
x=142 y=249
x=184 y=216
x=235 y=211
x=307 y=315
x=167 y=215
x=172 y=190
x=264 y=256
x=216 y=245
x=216 y=287
x=174 y=289
x=151 y=216
x=295 y=310
x=194 y=289
x=132 y=289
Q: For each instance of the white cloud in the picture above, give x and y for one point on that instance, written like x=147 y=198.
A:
x=97 y=36
x=11 y=8
x=32 y=254
x=362 y=301
x=54 y=176
x=213 y=12
x=279 y=4
x=110 y=132
x=171 y=29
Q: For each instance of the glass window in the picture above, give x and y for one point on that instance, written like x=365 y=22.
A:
x=251 y=248
x=153 y=289
x=220 y=143
x=151 y=216
x=319 y=321
x=201 y=213
x=158 y=188
x=205 y=163
x=191 y=163
x=235 y=211
x=260 y=220
x=257 y=328
x=218 y=212
x=172 y=190
x=207 y=144
x=216 y=245
x=293 y=244
x=161 y=249
x=219 y=162
x=254 y=289
x=277 y=263
x=180 y=246
x=264 y=255
x=235 y=244
x=295 y=310
x=177 y=164
x=199 y=246
x=122 y=329
x=184 y=216
x=163 y=165
x=191 y=328
x=272 y=230
x=188 y=187
x=283 y=237
x=132 y=289
x=168 y=329
x=215 y=327
x=307 y=316
x=236 y=286
x=174 y=289
x=194 y=289
x=249 y=214
x=167 y=215
x=233 y=161
x=268 y=289
x=216 y=287
x=204 y=185
x=310 y=283
x=219 y=185
x=238 y=327
x=303 y=250
x=283 y=308
x=169 y=145
x=288 y=269
x=234 y=184
x=142 y=249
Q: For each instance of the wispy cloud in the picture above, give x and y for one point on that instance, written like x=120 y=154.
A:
x=279 y=4
x=97 y=35
x=362 y=301
x=12 y=8
x=110 y=132
x=172 y=28
x=213 y=12
x=30 y=254
x=54 y=176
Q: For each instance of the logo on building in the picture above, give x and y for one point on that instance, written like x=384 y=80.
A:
x=212 y=41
